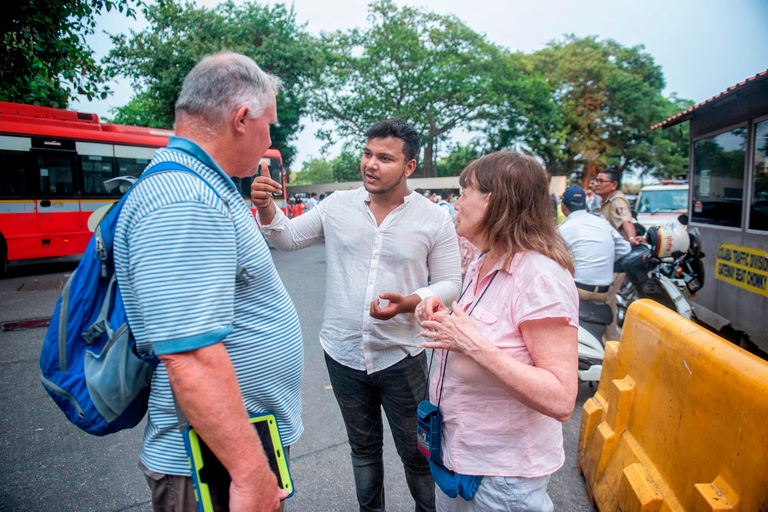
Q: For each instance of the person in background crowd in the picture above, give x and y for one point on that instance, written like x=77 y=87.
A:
x=594 y=244
x=467 y=252
x=298 y=208
x=593 y=200
x=312 y=201
x=177 y=246
x=322 y=196
x=289 y=207
x=508 y=354
x=615 y=209
x=614 y=205
x=382 y=244
x=443 y=203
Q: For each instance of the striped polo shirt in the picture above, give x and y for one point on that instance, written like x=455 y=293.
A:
x=178 y=249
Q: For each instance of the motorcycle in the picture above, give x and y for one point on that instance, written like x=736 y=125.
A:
x=668 y=269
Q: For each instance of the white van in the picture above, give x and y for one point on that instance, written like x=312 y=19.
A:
x=659 y=204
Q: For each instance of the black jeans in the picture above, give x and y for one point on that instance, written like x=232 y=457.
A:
x=398 y=389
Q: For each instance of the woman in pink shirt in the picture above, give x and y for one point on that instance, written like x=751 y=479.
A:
x=507 y=357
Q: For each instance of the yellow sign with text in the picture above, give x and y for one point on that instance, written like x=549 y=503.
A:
x=744 y=267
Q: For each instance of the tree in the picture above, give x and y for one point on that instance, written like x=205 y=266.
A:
x=313 y=172
x=45 y=58
x=670 y=147
x=157 y=59
x=431 y=70
x=346 y=166
x=457 y=159
x=589 y=105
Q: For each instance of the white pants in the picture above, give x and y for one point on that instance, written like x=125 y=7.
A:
x=502 y=493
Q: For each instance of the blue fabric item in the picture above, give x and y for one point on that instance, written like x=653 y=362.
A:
x=90 y=366
x=454 y=484
x=574 y=198
x=192 y=342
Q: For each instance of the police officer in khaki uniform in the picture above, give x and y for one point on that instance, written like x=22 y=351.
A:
x=615 y=208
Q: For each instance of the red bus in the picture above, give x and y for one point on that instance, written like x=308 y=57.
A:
x=53 y=164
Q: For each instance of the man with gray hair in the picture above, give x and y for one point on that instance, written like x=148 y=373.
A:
x=202 y=293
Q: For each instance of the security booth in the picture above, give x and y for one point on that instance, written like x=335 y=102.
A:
x=728 y=203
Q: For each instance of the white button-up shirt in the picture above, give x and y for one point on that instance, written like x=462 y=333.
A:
x=595 y=246
x=414 y=242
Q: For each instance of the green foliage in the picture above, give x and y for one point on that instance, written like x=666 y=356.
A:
x=346 y=166
x=431 y=70
x=590 y=104
x=313 y=172
x=141 y=110
x=44 y=58
x=670 y=147
x=457 y=160
x=157 y=59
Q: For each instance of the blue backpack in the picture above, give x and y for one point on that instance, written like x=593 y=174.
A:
x=89 y=362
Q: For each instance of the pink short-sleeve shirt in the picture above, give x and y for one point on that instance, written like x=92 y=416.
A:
x=485 y=430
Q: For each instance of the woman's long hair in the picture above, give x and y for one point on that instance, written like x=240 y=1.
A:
x=519 y=215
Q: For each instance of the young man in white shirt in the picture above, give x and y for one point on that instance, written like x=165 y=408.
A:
x=594 y=243
x=383 y=243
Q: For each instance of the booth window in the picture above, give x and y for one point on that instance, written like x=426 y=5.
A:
x=718 y=178
x=758 y=210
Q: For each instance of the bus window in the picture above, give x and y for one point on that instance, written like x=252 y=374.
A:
x=275 y=172
x=758 y=213
x=131 y=166
x=96 y=170
x=13 y=174
x=56 y=173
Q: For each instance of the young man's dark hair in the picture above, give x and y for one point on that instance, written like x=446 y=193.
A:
x=313 y=194
x=399 y=129
x=614 y=176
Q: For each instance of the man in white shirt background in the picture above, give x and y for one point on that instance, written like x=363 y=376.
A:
x=312 y=201
x=382 y=243
x=594 y=243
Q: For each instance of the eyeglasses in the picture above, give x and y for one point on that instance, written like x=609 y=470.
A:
x=598 y=180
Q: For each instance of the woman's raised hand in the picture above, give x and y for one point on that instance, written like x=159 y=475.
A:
x=456 y=332
x=427 y=309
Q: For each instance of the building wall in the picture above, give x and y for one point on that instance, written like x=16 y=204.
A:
x=746 y=309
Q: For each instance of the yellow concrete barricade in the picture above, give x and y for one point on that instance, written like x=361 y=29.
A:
x=679 y=421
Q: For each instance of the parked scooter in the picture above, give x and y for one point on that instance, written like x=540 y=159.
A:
x=594 y=317
x=668 y=270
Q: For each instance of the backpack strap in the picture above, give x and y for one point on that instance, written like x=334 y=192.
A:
x=241 y=273
x=102 y=324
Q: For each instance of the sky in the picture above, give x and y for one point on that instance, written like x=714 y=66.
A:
x=703 y=46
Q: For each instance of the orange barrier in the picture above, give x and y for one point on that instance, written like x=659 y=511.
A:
x=679 y=421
